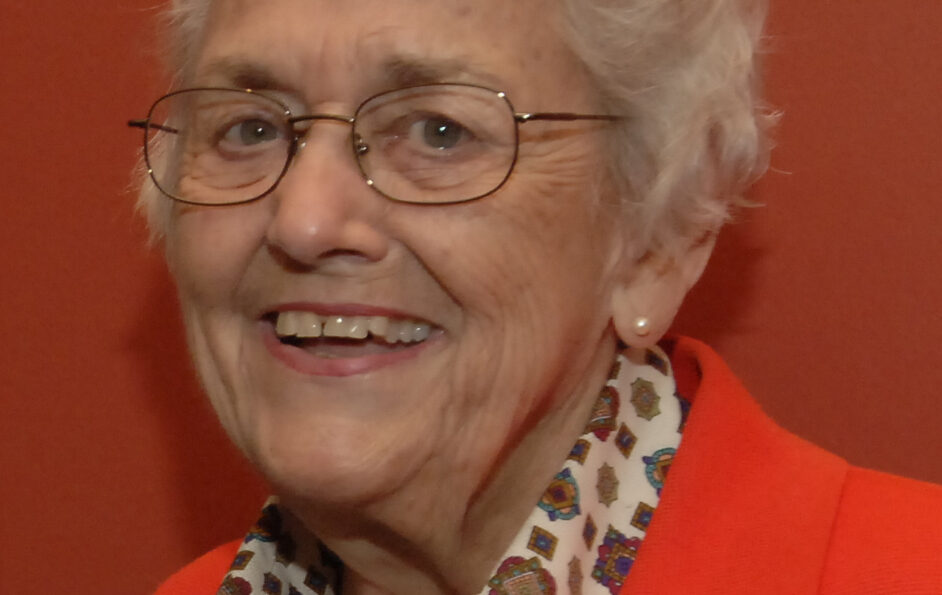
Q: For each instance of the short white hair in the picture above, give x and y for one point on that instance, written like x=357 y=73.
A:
x=684 y=73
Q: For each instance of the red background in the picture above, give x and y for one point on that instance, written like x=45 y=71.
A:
x=113 y=471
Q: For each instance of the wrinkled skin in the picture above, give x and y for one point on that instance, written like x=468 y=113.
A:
x=407 y=468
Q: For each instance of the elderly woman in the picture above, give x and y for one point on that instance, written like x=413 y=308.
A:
x=426 y=252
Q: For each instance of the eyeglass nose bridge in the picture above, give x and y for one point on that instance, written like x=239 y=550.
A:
x=299 y=135
x=360 y=147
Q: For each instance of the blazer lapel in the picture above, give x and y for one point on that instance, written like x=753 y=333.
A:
x=747 y=507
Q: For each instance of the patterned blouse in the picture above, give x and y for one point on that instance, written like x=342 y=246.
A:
x=585 y=531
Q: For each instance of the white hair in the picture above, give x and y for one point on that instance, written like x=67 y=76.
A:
x=684 y=73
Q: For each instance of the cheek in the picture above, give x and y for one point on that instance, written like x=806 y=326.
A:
x=529 y=273
x=548 y=249
x=209 y=250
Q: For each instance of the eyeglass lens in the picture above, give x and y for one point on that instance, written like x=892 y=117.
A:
x=427 y=144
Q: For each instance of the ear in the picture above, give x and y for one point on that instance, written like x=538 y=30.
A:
x=645 y=302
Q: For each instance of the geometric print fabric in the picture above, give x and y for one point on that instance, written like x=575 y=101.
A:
x=585 y=533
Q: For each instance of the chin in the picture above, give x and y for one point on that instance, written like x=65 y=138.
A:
x=328 y=458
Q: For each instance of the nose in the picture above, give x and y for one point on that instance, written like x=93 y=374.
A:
x=323 y=209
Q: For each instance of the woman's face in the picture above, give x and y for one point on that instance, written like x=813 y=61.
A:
x=514 y=288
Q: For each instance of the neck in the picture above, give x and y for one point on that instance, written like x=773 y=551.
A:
x=443 y=534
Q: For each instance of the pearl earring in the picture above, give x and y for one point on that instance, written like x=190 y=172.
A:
x=642 y=326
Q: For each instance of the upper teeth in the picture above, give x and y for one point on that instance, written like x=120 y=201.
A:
x=309 y=325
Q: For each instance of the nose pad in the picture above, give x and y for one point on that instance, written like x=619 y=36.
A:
x=359 y=145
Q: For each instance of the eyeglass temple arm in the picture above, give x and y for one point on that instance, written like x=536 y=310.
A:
x=564 y=116
x=145 y=125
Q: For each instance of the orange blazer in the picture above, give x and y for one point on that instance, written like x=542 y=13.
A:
x=752 y=509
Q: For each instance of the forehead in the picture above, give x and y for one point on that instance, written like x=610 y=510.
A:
x=338 y=47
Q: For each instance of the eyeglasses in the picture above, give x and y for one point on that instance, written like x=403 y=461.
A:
x=436 y=143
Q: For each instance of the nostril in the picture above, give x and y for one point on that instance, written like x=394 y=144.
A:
x=338 y=252
x=301 y=264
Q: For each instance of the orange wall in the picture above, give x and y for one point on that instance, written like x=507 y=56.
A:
x=112 y=470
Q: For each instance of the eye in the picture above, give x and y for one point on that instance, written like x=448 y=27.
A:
x=438 y=132
x=252 y=132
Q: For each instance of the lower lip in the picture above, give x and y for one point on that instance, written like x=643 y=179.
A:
x=301 y=361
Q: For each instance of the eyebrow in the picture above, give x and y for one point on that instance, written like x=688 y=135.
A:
x=395 y=72
x=407 y=70
x=242 y=73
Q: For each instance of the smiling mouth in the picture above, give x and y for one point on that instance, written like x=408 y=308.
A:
x=347 y=336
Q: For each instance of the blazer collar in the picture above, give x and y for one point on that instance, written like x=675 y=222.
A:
x=747 y=507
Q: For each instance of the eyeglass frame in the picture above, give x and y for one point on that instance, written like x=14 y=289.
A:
x=297 y=137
